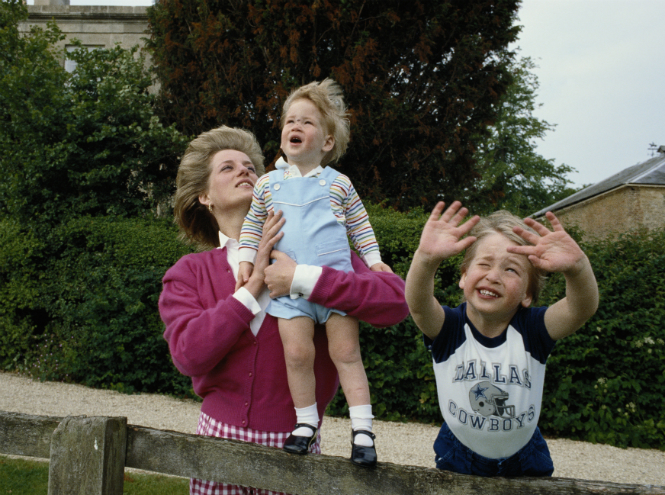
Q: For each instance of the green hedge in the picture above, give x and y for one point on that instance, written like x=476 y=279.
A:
x=81 y=305
x=606 y=383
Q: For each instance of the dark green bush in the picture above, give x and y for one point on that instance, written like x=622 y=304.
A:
x=606 y=383
x=81 y=305
x=92 y=312
x=398 y=366
x=19 y=293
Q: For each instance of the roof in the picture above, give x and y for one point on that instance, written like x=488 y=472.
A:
x=651 y=172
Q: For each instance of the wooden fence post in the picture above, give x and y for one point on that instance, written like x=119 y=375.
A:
x=88 y=456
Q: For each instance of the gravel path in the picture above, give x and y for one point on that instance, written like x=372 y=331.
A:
x=400 y=443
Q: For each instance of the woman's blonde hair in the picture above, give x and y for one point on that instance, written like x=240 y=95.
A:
x=502 y=222
x=196 y=223
x=328 y=99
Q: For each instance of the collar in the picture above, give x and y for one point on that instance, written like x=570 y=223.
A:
x=294 y=171
x=225 y=241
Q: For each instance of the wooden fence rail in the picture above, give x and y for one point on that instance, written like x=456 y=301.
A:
x=88 y=456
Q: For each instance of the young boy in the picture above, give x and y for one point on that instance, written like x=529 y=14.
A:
x=490 y=352
x=321 y=207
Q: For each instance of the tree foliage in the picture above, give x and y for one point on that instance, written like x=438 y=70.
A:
x=513 y=175
x=422 y=78
x=86 y=143
x=85 y=164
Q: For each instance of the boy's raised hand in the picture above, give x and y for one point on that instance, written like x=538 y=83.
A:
x=441 y=237
x=553 y=250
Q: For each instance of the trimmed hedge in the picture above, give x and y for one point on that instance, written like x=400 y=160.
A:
x=606 y=383
x=81 y=305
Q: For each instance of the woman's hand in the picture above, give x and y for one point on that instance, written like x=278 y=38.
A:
x=279 y=275
x=271 y=235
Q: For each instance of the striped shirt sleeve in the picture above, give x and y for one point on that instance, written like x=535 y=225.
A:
x=252 y=228
x=346 y=204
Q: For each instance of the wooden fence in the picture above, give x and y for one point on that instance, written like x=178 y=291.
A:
x=88 y=455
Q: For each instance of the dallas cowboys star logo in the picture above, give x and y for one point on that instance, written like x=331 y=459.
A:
x=479 y=392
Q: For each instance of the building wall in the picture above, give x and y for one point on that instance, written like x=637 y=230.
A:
x=93 y=25
x=624 y=209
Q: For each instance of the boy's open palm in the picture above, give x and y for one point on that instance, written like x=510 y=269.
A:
x=442 y=233
x=553 y=250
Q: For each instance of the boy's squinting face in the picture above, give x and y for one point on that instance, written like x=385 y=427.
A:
x=496 y=282
x=304 y=140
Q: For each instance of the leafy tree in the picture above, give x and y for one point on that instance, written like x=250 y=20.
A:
x=86 y=143
x=513 y=175
x=85 y=165
x=422 y=78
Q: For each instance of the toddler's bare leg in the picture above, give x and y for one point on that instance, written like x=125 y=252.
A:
x=344 y=348
x=298 y=340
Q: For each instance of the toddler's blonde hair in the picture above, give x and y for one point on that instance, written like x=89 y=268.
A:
x=327 y=97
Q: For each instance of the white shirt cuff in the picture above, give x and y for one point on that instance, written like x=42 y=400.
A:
x=372 y=258
x=304 y=281
x=247 y=300
x=247 y=254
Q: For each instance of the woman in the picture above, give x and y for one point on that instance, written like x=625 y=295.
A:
x=221 y=337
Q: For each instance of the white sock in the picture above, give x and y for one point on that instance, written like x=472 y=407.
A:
x=361 y=419
x=307 y=415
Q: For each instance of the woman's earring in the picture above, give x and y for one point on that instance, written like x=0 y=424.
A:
x=210 y=208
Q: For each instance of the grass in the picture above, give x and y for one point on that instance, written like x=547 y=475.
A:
x=25 y=477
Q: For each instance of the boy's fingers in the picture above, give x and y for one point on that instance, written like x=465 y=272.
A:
x=554 y=221
x=436 y=212
x=530 y=236
x=466 y=242
x=527 y=250
x=451 y=211
x=471 y=223
x=459 y=216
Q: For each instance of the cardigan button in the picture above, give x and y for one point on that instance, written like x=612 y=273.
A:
x=322 y=182
x=244 y=422
x=276 y=187
x=250 y=373
x=246 y=404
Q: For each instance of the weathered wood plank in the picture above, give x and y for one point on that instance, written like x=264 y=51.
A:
x=253 y=465
x=23 y=434
x=88 y=456
x=269 y=468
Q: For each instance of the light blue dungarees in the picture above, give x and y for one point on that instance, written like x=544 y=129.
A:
x=312 y=235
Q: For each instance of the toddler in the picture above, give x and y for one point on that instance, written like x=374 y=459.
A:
x=321 y=208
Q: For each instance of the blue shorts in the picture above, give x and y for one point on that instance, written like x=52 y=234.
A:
x=531 y=460
x=287 y=308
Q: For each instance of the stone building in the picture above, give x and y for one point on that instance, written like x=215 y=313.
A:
x=94 y=26
x=634 y=198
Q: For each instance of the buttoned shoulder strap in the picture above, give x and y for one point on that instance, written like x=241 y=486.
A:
x=329 y=173
x=276 y=176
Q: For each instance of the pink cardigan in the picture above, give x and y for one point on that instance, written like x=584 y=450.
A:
x=242 y=377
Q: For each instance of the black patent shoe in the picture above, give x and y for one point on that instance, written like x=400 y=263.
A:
x=297 y=444
x=361 y=455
